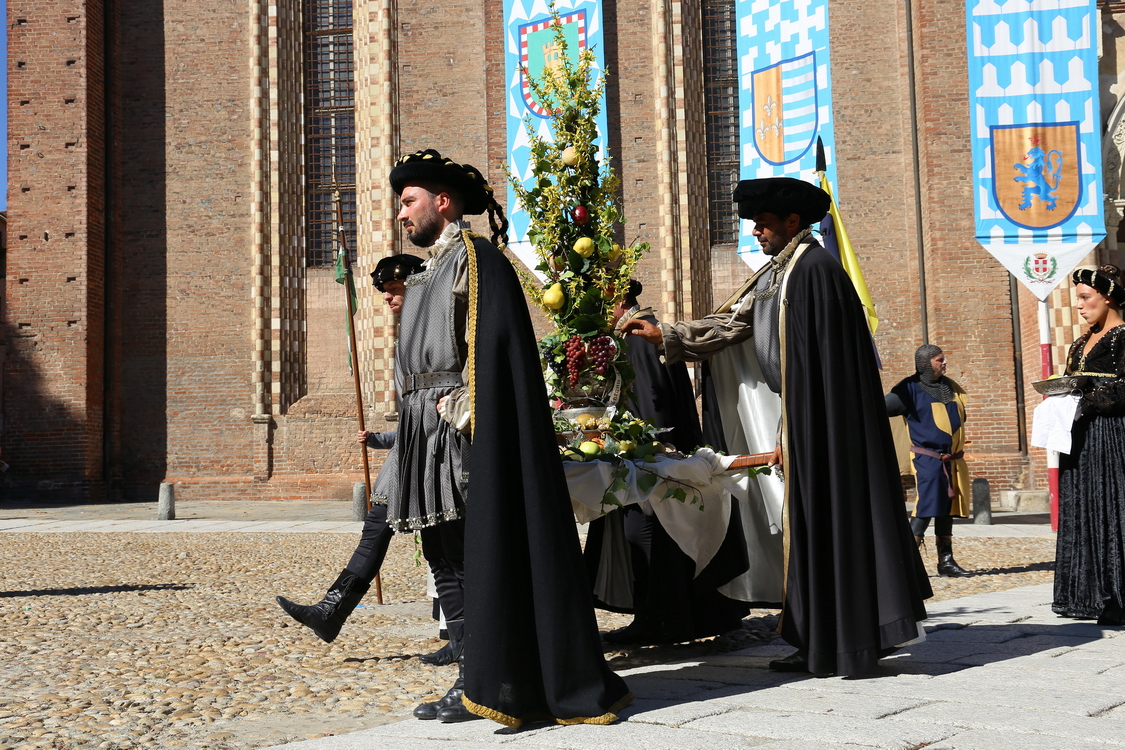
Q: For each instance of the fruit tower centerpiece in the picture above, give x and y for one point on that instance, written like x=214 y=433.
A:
x=576 y=229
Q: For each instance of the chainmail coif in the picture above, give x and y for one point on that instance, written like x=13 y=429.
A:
x=937 y=387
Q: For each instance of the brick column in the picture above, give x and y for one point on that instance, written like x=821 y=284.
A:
x=54 y=395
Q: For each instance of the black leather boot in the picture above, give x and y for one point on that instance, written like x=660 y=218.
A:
x=439 y=658
x=430 y=710
x=451 y=651
x=327 y=616
x=946 y=565
x=456 y=711
x=798 y=661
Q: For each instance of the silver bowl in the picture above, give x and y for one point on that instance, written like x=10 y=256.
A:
x=1061 y=385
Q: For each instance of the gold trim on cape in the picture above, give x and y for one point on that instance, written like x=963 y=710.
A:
x=471 y=330
x=485 y=712
x=782 y=293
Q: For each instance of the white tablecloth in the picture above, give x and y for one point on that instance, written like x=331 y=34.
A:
x=698 y=528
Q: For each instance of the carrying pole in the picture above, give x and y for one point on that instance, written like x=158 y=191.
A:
x=343 y=250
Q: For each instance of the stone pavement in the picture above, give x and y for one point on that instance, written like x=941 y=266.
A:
x=998 y=671
x=313 y=516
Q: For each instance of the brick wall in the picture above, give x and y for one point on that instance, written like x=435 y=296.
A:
x=195 y=325
x=55 y=282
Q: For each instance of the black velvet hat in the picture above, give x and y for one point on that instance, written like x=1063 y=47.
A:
x=1106 y=279
x=781 y=196
x=430 y=166
x=395 y=268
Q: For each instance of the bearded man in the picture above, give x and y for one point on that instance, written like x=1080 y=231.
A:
x=795 y=373
x=473 y=413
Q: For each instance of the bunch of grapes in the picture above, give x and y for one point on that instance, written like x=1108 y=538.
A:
x=601 y=352
x=575 y=358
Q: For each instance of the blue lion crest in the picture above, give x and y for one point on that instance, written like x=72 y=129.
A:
x=1041 y=168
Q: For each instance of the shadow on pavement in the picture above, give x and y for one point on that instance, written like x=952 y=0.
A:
x=84 y=590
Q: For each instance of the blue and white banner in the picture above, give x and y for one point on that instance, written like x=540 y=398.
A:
x=1033 y=99
x=785 y=96
x=531 y=47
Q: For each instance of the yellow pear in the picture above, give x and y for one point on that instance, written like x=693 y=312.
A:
x=584 y=247
x=553 y=296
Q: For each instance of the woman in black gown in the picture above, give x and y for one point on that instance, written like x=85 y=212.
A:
x=1090 y=553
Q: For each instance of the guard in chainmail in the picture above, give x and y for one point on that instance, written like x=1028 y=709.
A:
x=934 y=408
x=793 y=372
x=932 y=383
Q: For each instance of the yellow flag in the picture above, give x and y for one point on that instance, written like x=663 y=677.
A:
x=848 y=257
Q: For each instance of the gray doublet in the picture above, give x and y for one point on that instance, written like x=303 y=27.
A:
x=430 y=456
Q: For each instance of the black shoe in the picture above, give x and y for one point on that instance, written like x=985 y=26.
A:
x=452 y=698
x=946 y=565
x=798 y=661
x=439 y=658
x=454 y=714
x=327 y=616
x=1113 y=616
x=632 y=634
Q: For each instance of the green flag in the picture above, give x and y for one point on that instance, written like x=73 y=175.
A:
x=344 y=276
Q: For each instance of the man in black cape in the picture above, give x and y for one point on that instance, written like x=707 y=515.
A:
x=670 y=603
x=531 y=650
x=854 y=582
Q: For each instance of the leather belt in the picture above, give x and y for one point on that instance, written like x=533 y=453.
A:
x=421 y=380
x=945 y=458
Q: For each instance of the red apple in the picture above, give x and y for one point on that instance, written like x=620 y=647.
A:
x=580 y=214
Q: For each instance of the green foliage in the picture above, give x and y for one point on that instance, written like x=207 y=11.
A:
x=591 y=283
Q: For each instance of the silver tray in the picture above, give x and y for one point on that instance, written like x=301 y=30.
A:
x=1061 y=385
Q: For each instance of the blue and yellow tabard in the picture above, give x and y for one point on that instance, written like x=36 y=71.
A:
x=941 y=428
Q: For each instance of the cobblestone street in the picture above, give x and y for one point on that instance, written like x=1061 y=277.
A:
x=173 y=640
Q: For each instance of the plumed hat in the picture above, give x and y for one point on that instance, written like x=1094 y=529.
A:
x=430 y=166
x=1106 y=280
x=781 y=196
x=395 y=268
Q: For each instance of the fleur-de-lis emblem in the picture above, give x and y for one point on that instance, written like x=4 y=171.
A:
x=769 y=106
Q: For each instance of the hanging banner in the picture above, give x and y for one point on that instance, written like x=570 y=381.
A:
x=1033 y=99
x=530 y=49
x=785 y=96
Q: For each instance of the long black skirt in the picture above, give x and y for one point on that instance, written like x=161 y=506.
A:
x=1090 y=552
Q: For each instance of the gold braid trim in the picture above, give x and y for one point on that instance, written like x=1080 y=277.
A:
x=607 y=718
x=785 y=463
x=471 y=333
x=485 y=712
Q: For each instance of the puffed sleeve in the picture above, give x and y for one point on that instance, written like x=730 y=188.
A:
x=1108 y=399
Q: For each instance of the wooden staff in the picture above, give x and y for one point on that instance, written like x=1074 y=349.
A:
x=342 y=238
x=751 y=459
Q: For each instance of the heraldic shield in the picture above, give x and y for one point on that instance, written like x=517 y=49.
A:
x=539 y=51
x=784 y=103
x=1036 y=178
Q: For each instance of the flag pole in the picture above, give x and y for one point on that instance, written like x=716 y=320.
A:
x=348 y=286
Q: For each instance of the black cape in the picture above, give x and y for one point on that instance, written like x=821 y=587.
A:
x=855 y=583
x=670 y=602
x=533 y=652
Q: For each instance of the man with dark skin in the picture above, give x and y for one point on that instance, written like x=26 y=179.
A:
x=795 y=372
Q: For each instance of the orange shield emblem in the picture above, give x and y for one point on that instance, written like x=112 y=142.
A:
x=1036 y=179
x=784 y=103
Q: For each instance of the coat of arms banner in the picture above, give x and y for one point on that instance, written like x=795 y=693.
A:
x=785 y=96
x=530 y=48
x=1033 y=100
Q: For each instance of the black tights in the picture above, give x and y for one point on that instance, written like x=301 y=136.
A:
x=943 y=525
x=372 y=548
